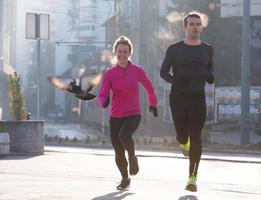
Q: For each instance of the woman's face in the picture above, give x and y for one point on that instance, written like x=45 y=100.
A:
x=122 y=53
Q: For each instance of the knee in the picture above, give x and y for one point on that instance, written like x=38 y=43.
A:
x=182 y=139
x=124 y=138
x=195 y=143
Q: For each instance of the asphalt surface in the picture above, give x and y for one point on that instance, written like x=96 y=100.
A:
x=72 y=173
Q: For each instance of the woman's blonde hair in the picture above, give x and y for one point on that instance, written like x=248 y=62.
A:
x=122 y=40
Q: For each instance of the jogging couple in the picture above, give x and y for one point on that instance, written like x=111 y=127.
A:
x=187 y=66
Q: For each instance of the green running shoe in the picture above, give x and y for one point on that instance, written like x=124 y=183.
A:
x=192 y=184
x=185 y=148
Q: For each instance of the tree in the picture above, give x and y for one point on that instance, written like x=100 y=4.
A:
x=17 y=102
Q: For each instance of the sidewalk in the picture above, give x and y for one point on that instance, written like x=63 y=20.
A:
x=70 y=173
x=208 y=154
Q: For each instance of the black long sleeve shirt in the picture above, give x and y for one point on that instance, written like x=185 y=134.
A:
x=192 y=66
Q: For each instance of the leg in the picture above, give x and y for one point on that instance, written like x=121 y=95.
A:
x=129 y=127
x=196 y=119
x=197 y=116
x=179 y=115
x=126 y=132
x=121 y=161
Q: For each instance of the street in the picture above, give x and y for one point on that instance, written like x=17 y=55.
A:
x=66 y=173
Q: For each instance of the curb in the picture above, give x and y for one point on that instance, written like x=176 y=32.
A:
x=234 y=156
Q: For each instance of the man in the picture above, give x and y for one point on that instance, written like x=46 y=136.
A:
x=192 y=66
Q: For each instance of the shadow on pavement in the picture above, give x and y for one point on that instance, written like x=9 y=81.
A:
x=188 y=197
x=114 y=195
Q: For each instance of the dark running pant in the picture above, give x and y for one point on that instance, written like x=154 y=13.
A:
x=122 y=130
x=189 y=114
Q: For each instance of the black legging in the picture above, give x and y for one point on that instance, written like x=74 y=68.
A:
x=122 y=130
x=189 y=114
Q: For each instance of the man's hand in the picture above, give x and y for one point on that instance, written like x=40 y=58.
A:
x=154 y=111
x=210 y=78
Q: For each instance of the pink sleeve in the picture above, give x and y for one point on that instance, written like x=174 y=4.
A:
x=104 y=92
x=145 y=81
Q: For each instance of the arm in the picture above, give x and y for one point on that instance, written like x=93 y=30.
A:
x=210 y=74
x=145 y=81
x=167 y=63
x=104 y=93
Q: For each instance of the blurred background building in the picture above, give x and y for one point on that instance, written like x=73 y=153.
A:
x=82 y=31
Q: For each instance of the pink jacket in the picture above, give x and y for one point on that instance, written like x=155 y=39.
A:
x=124 y=84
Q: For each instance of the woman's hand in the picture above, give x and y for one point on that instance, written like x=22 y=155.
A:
x=154 y=111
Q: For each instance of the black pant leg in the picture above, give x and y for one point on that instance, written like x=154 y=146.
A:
x=130 y=125
x=179 y=111
x=197 y=116
x=120 y=159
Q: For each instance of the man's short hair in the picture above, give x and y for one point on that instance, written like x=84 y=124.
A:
x=191 y=15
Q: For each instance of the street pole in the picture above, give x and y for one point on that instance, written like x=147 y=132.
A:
x=38 y=63
x=38 y=28
x=38 y=76
x=116 y=11
x=245 y=74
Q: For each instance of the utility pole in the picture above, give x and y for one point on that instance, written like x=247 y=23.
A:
x=245 y=73
x=38 y=65
x=117 y=13
x=148 y=9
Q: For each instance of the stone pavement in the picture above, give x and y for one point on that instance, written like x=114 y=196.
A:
x=70 y=173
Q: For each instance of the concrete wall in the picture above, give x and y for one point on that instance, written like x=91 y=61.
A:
x=4 y=143
x=26 y=137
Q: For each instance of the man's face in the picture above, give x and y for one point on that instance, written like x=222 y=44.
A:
x=193 y=28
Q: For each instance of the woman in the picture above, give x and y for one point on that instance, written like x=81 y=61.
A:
x=123 y=81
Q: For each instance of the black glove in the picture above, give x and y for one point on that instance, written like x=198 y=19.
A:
x=106 y=103
x=154 y=111
x=210 y=78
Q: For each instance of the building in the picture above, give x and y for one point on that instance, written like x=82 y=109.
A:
x=7 y=51
x=80 y=39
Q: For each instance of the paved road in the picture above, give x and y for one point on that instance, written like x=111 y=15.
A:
x=90 y=174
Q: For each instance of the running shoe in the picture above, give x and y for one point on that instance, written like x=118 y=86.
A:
x=192 y=184
x=134 y=166
x=185 y=148
x=124 y=184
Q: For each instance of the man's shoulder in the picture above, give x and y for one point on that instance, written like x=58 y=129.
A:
x=208 y=47
x=177 y=44
x=206 y=44
x=173 y=48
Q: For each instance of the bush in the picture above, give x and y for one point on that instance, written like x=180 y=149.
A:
x=16 y=100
